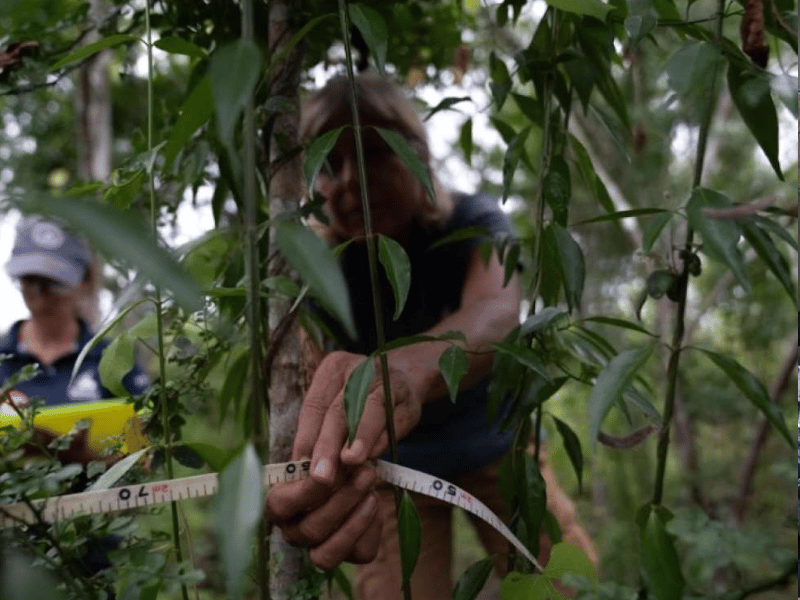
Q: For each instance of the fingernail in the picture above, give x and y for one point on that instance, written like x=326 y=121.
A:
x=322 y=467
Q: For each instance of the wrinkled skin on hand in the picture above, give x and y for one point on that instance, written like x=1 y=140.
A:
x=334 y=511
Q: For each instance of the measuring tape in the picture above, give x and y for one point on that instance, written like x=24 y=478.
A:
x=158 y=492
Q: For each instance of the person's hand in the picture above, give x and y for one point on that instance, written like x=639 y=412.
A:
x=334 y=511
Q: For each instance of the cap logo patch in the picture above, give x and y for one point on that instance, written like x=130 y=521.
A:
x=47 y=235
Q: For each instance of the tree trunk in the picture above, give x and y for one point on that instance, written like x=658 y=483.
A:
x=285 y=191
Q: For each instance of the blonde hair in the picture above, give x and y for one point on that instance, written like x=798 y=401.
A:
x=381 y=103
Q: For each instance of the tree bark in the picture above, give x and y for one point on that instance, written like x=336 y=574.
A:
x=285 y=387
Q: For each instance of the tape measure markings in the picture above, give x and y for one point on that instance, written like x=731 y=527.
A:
x=159 y=492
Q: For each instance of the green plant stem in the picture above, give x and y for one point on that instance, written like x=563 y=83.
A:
x=371 y=258
x=254 y=313
x=662 y=449
x=162 y=361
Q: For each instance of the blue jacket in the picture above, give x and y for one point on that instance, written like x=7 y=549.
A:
x=52 y=381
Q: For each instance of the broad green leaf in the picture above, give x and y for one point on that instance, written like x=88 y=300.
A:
x=659 y=282
x=568 y=557
x=638 y=27
x=592 y=8
x=557 y=189
x=235 y=379
x=659 y=559
x=318 y=267
x=532 y=500
x=116 y=362
x=410 y=158
x=316 y=154
x=463 y=233
x=501 y=80
x=453 y=364
x=525 y=586
x=573 y=447
x=652 y=230
x=571 y=263
x=581 y=77
x=340 y=577
x=753 y=390
x=720 y=238
x=398 y=271
x=471 y=583
x=93 y=48
x=122 y=195
x=465 y=140
x=238 y=505
x=110 y=477
x=750 y=91
x=446 y=104
x=785 y=86
x=233 y=72
x=176 y=45
x=186 y=456
x=621 y=323
x=611 y=383
x=195 y=112
x=514 y=152
x=409 y=528
x=771 y=255
x=374 y=31
x=775 y=228
x=124 y=237
x=420 y=338
x=356 y=391
x=216 y=458
x=546 y=318
x=511 y=262
x=523 y=355
x=625 y=214
x=689 y=68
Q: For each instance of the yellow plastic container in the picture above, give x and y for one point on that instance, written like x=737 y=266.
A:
x=111 y=422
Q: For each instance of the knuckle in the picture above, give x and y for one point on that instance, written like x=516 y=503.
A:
x=324 y=559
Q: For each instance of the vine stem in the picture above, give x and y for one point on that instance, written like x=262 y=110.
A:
x=254 y=313
x=162 y=360
x=662 y=449
x=371 y=258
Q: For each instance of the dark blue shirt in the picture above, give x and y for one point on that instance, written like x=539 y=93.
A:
x=53 y=381
x=451 y=437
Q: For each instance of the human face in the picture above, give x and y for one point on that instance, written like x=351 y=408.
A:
x=395 y=195
x=45 y=297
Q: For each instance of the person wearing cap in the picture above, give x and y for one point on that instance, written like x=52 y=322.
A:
x=56 y=274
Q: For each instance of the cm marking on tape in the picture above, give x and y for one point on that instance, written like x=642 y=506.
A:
x=198 y=486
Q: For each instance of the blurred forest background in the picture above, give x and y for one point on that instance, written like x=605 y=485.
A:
x=586 y=118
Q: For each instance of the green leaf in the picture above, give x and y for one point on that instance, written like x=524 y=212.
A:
x=216 y=458
x=233 y=72
x=94 y=48
x=514 y=152
x=453 y=364
x=176 y=45
x=471 y=583
x=316 y=154
x=463 y=233
x=625 y=214
x=239 y=502
x=754 y=390
x=611 y=383
x=660 y=566
x=195 y=112
x=568 y=557
x=110 y=477
x=689 y=68
x=374 y=31
x=525 y=586
x=532 y=500
x=592 y=8
x=318 y=267
x=356 y=391
x=501 y=80
x=420 y=338
x=398 y=270
x=510 y=263
x=772 y=257
x=235 y=379
x=621 y=323
x=116 y=362
x=187 y=456
x=638 y=27
x=540 y=322
x=750 y=91
x=652 y=230
x=409 y=528
x=122 y=236
x=121 y=196
x=659 y=282
x=524 y=355
x=557 y=189
x=570 y=262
x=573 y=447
x=410 y=158
x=720 y=238
x=446 y=104
x=465 y=140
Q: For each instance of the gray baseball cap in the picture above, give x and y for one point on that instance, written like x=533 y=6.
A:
x=44 y=247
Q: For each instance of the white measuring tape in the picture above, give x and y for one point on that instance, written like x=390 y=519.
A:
x=158 y=492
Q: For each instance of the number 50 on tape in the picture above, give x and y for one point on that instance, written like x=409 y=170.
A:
x=198 y=486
